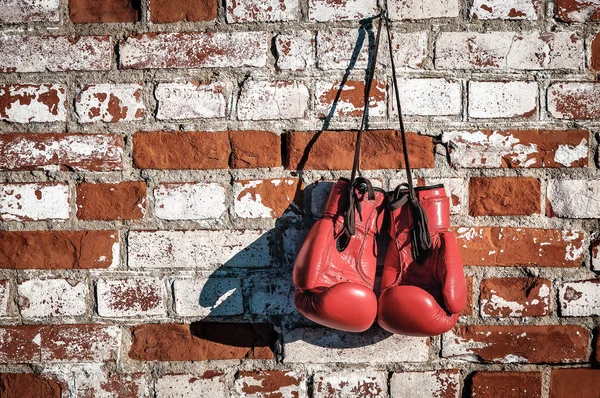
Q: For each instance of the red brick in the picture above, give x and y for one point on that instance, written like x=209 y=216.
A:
x=58 y=249
x=181 y=150
x=574 y=100
x=576 y=10
x=122 y=201
x=26 y=103
x=506 y=247
x=468 y=310
x=595 y=53
x=580 y=382
x=92 y=11
x=267 y=198
x=507 y=384
x=350 y=101
x=164 y=11
x=269 y=383
x=29 y=385
x=202 y=341
x=515 y=297
x=254 y=149
x=522 y=344
x=334 y=150
x=194 y=50
x=597 y=350
x=78 y=152
x=17 y=344
x=504 y=196
x=130 y=385
x=55 y=53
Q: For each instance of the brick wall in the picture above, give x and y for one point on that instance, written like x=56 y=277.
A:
x=151 y=204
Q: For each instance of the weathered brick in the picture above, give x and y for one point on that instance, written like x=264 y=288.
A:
x=509 y=50
x=514 y=297
x=254 y=149
x=505 y=9
x=380 y=149
x=165 y=11
x=121 y=201
x=110 y=103
x=4 y=298
x=52 y=297
x=518 y=148
x=59 y=249
x=202 y=341
x=441 y=383
x=430 y=97
x=130 y=296
x=409 y=49
x=502 y=99
x=199 y=249
x=295 y=51
x=192 y=201
x=55 y=53
x=59 y=343
x=239 y=11
x=270 y=384
x=574 y=100
x=574 y=198
x=27 y=103
x=266 y=198
x=271 y=296
x=91 y=11
x=507 y=384
x=504 y=196
x=350 y=383
x=181 y=150
x=517 y=344
x=194 y=50
x=580 y=298
x=190 y=100
x=17 y=385
x=304 y=345
x=422 y=9
x=21 y=11
x=578 y=382
x=340 y=10
x=34 y=201
x=78 y=152
x=89 y=380
x=349 y=101
x=208 y=297
x=272 y=100
x=576 y=10
x=595 y=255
x=595 y=53
x=189 y=386
x=504 y=247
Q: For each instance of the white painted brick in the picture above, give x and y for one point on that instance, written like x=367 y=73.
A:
x=341 y=10
x=52 y=298
x=304 y=345
x=574 y=100
x=21 y=11
x=190 y=386
x=55 y=53
x=505 y=9
x=425 y=384
x=350 y=383
x=430 y=97
x=34 y=201
x=295 y=51
x=271 y=100
x=580 y=298
x=110 y=103
x=193 y=201
x=272 y=296
x=39 y=103
x=502 y=99
x=410 y=49
x=422 y=9
x=575 y=198
x=208 y=296
x=262 y=10
x=4 y=297
x=595 y=255
x=129 y=297
x=199 y=249
x=190 y=100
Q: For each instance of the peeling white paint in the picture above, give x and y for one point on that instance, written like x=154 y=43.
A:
x=192 y=201
x=567 y=154
x=34 y=201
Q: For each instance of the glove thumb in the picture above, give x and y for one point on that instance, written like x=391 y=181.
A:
x=454 y=289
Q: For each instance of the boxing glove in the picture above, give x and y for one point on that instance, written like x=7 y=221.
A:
x=425 y=297
x=335 y=269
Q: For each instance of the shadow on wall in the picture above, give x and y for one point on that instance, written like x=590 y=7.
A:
x=265 y=266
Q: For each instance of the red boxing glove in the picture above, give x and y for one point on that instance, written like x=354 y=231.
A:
x=421 y=299
x=335 y=268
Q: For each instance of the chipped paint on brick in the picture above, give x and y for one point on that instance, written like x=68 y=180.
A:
x=430 y=97
x=282 y=99
x=437 y=384
x=340 y=10
x=580 y=298
x=188 y=386
x=577 y=10
x=505 y=9
x=30 y=202
x=52 y=297
x=190 y=100
x=4 y=298
x=350 y=384
x=202 y=297
x=515 y=297
x=574 y=100
x=498 y=99
x=423 y=9
x=110 y=103
x=295 y=51
x=350 y=101
x=239 y=11
x=19 y=11
x=79 y=343
x=192 y=201
x=135 y=296
x=270 y=384
x=26 y=103
x=595 y=255
x=266 y=198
